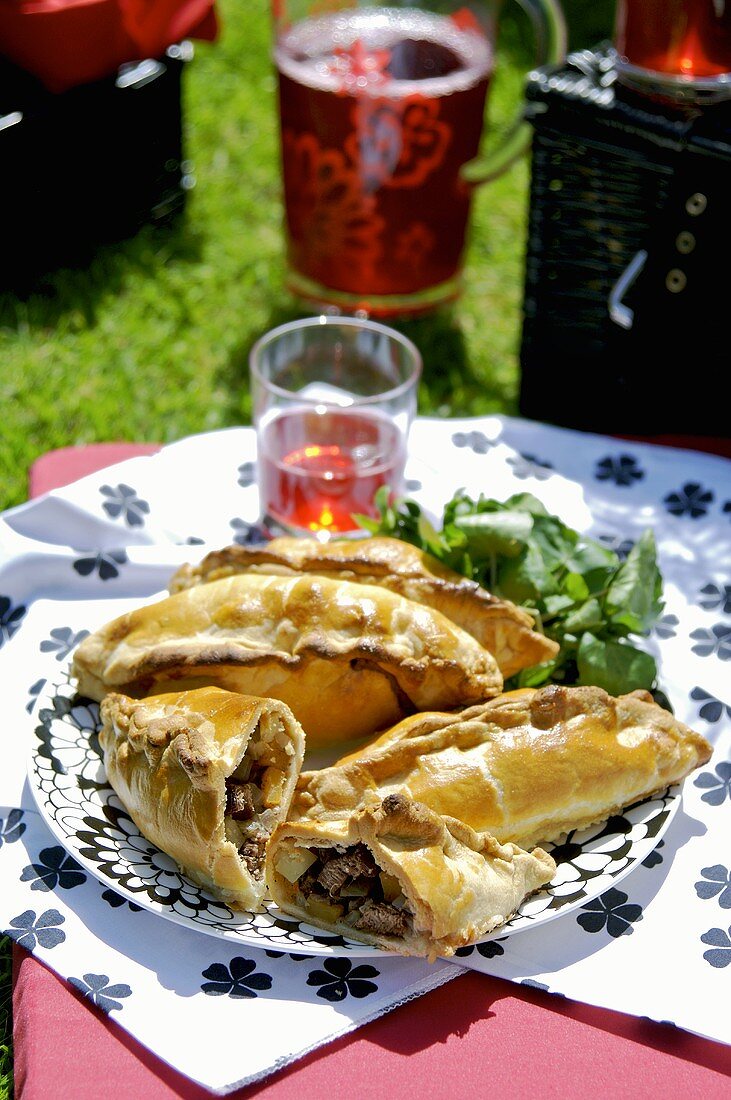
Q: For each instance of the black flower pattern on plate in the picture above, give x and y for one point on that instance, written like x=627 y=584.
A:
x=341 y=979
x=247 y=534
x=79 y=747
x=288 y=955
x=34 y=691
x=10 y=617
x=247 y=474
x=116 y=901
x=474 y=441
x=62 y=641
x=236 y=980
x=717 y=784
x=12 y=829
x=123 y=501
x=106 y=563
x=97 y=989
x=665 y=626
x=610 y=911
x=489 y=950
x=619 y=545
x=716 y=884
x=716 y=597
x=623 y=470
x=30 y=931
x=720 y=941
x=528 y=465
x=712 y=709
x=716 y=640
x=54 y=869
x=692 y=500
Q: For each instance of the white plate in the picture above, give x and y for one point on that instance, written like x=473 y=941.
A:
x=69 y=784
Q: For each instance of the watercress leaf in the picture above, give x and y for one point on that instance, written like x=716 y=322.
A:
x=587 y=617
x=634 y=595
x=525 y=502
x=554 y=605
x=525 y=579
x=368 y=524
x=537 y=675
x=555 y=540
x=615 y=666
x=576 y=587
x=503 y=533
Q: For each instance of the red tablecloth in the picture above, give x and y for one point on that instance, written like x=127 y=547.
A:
x=472 y=1037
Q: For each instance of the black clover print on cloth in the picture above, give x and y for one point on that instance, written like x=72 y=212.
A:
x=720 y=941
x=623 y=470
x=620 y=546
x=715 y=883
x=715 y=597
x=62 y=641
x=612 y=912
x=526 y=465
x=106 y=563
x=692 y=500
x=237 y=980
x=712 y=709
x=10 y=617
x=717 y=784
x=34 y=691
x=490 y=950
x=247 y=534
x=665 y=627
x=55 y=868
x=247 y=474
x=474 y=441
x=715 y=641
x=30 y=931
x=123 y=502
x=340 y=979
x=114 y=899
x=12 y=829
x=96 y=988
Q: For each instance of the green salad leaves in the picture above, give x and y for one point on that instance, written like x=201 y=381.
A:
x=580 y=593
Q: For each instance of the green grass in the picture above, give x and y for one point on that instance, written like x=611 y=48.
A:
x=150 y=342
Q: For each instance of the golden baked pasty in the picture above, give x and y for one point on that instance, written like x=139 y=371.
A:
x=498 y=625
x=348 y=659
x=400 y=877
x=525 y=767
x=206 y=775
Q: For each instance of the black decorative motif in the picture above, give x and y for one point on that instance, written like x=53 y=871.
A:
x=97 y=989
x=10 y=617
x=720 y=957
x=716 y=884
x=623 y=470
x=62 y=641
x=341 y=979
x=116 y=901
x=716 y=597
x=236 y=980
x=413 y=485
x=123 y=501
x=30 y=931
x=247 y=534
x=612 y=912
x=665 y=626
x=106 y=563
x=288 y=955
x=247 y=474
x=474 y=441
x=527 y=465
x=489 y=950
x=692 y=500
x=54 y=869
x=12 y=829
x=620 y=546
x=717 y=784
x=712 y=709
x=34 y=691
x=716 y=640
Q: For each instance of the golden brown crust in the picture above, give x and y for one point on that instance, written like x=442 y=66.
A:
x=348 y=659
x=527 y=766
x=168 y=758
x=458 y=886
x=501 y=627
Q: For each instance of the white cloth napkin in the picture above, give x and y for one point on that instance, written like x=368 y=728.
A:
x=77 y=557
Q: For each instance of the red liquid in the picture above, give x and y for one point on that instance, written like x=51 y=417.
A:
x=374 y=133
x=316 y=469
x=679 y=37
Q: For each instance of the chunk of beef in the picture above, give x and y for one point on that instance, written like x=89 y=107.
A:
x=382 y=919
x=253 y=852
x=240 y=800
x=355 y=863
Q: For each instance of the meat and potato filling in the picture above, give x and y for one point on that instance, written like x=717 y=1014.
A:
x=254 y=792
x=346 y=884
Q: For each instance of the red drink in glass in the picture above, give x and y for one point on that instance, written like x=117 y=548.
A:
x=319 y=466
x=380 y=109
x=690 y=38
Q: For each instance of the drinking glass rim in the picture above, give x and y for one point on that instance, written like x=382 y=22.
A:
x=323 y=320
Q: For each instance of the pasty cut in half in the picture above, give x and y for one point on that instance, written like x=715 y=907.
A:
x=400 y=877
x=205 y=775
x=348 y=659
x=526 y=767
x=497 y=624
